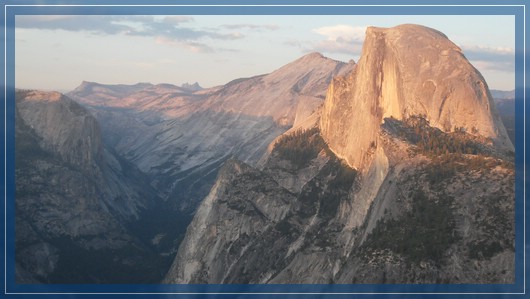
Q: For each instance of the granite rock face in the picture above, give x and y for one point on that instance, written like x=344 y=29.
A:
x=407 y=177
x=65 y=127
x=211 y=250
x=405 y=71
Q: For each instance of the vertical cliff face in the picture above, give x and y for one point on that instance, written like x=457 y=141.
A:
x=65 y=127
x=405 y=71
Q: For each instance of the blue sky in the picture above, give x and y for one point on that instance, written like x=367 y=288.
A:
x=58 y=52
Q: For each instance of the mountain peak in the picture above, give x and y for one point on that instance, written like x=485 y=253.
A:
x=313 y=55
x=312 y=62
x=407 y=29
x=66 y=126
x=408 y=70
x=85 y=84
x=288 y=94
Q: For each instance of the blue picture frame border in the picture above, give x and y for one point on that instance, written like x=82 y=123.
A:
x=276 y=7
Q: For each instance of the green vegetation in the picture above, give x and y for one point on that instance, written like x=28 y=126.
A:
x=300 y=147
x=447 y=165
x=434 y=142
x=421 y=234
x=327 y=189
x=344 y=176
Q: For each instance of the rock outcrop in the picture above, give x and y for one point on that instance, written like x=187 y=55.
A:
x=404 y=71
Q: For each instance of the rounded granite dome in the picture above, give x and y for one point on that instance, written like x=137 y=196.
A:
x=405 y=71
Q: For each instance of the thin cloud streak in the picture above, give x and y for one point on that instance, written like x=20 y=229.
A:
x=338 y=47
x=341 y=39
x=344 y=33
x=167 y=31
x=493 y=65
x=92 y=24
x=177 y=20
x=490 y=58
x=171 y=31
x=251 y=26
x=194 y=47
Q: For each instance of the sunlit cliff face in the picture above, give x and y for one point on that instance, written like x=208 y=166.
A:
x=405 y=71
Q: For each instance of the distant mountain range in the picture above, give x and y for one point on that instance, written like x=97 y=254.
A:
x=502 y=94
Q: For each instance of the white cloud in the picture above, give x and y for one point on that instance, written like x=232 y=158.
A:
x=176 y=20
x=347 y=48
x=340 y=39
x=488 y=50
x=168 y=30
x=342 y=33
x=192 y=46
x=493 y=66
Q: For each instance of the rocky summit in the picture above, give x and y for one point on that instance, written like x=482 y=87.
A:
x=406 y=177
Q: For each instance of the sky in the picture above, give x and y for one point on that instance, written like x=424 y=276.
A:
x=59 y=52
